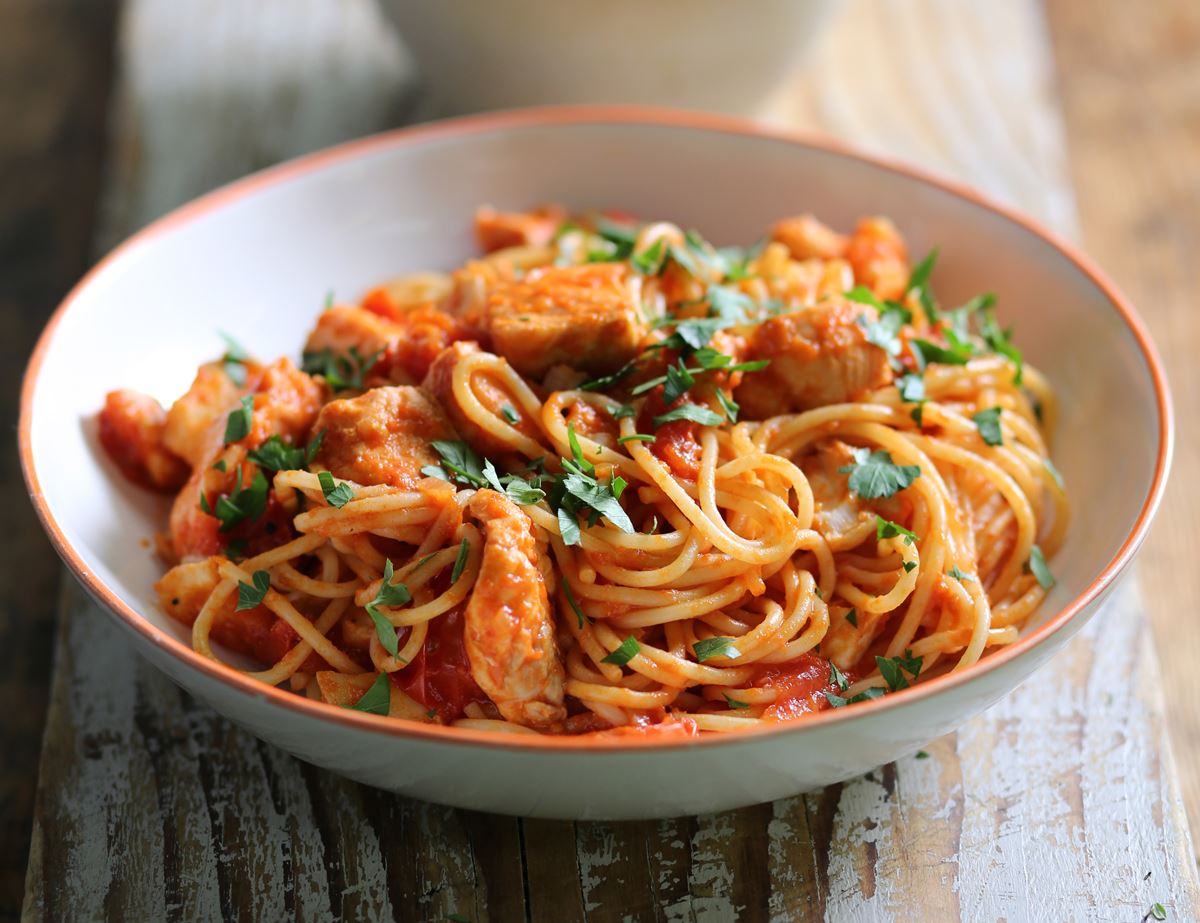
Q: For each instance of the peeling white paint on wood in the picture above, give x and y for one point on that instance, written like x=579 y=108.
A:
x=1053 y=805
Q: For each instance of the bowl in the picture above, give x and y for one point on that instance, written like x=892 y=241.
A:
x=705 y=54
x=256 y=259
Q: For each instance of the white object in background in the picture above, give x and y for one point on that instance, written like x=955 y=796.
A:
x=701 y=54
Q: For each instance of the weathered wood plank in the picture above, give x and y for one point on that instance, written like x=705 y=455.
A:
x=55 y=73
x=1130 y=77
x=1054 y=804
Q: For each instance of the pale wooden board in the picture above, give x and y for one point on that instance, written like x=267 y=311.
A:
x=1054 y=805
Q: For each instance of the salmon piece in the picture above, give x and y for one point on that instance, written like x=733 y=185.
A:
x=497 y=230
x=509 y=624
x=819 y=355
x=382 y=436
x=132 y=433
x=583 y=316
x=807 y=238
x=879 y=258
x=190 y=418
x=440 y=383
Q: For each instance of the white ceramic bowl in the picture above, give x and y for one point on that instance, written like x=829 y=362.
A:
x=703 y=54
x=257 y=257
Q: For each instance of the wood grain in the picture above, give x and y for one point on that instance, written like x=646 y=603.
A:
x=55 y=66
x=1060 y=803
x=1130 y=79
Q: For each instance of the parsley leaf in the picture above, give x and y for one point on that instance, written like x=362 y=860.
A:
x=343 y=372
x=679 y=379
x=566 y=584
x=892 y=669
x=376 y=700
x=885 y=528
x=867 y=694
x=336 y=495
x=999 y=341
x=852 y=617
x=243 y=504
x=461 y=561
x=626 y=652
x=885 y=331
x=252 y=594
x=238 y=425
x=988 y=423
x=709 y=648
x=735 y=703
x=600 y=497
x=460 y=460
x=234 y=360
x=693 y=412
x=959 y=575
x=636 y=437
x=1158 y=911
x=390 y=594
x=932 y=352
x=732 y=306
x=921 y=755
x=625 y=410
x=919 y=280
x=838 y=678
x=729 y=405
x=911 y=388
x=277 y=455
x=607 y=381
x=1039 y=567
x=650 y=260
x=623 y=237
x=568 y=527
x=874 y=474
x=510 y=414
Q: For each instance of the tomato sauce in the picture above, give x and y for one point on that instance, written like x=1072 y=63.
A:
x=802 y=684
x=675 y=442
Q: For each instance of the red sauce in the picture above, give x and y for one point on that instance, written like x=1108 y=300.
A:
x=439 y=677
x=675 y=442
x=801 y=684
x=676 y=726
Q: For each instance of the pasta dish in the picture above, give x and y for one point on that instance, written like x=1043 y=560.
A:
x=610 y=478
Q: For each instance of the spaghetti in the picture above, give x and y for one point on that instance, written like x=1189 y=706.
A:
x=612 y=479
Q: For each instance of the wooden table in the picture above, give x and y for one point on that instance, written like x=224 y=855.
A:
x=1061 y=803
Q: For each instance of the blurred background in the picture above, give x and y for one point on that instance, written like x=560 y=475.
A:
x=1085 y=113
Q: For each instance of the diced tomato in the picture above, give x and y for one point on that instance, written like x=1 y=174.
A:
x=131 y=428
x=439 y=677
x=801 y=685
x=675 y=442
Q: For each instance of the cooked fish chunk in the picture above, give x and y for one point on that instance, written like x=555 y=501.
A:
x=190 y=418
x=879 y=258
x=585 y=316
x=839 y=515
x=498 y=230
x=808 y=238
x=509 y=630
x=819 y=355
x=131 y=431
x=382 y=436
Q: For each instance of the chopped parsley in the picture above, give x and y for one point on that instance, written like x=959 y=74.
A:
x=838 y=678
x=1000 y=341
x=1158 y=911
x=636 y=437
x=729 y=405
x=626 y=652
x=874 y=475
x=343 y=372
x=459 y=463
x=390 y=594
x=607 y=381
x=376 y=700
x=885 y=528
x=852 y=617
x=921 y=755
x=960 y=576
x=709 y=648
x=892 y=669
x=461 y=561
x=988 y=423
x=1040 y=569
x=911 y=388
x=625 y=410
x=650 y=260
x=956 y=354
x=237 y=426
x=234 y=360
x=919 y=280
x=510 y=414
x=866 y=695
x=679 y=379
x=336 y=495
x=252 y=594
x=885 y=332
x=735 y=704
x=566 y=584
x=1054 y=472
x=245 y=503
x=277 y=455
x=568 y=527
x=693 y=412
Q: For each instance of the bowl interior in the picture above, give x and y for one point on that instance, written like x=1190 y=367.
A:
x=258 y=261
